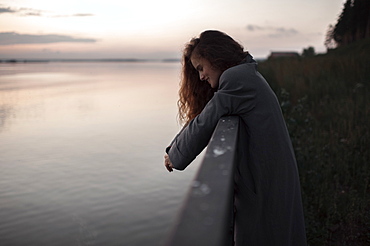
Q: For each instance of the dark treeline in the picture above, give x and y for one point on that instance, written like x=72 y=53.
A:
x=353 y=24
x=325 y=101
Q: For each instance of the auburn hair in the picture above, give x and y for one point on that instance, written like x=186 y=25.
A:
x=222 y=52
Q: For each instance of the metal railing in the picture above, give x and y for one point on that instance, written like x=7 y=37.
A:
x=206 y=217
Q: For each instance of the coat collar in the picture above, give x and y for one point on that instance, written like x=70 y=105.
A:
x=248 y=59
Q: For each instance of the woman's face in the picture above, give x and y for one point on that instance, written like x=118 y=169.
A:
x=206 y=71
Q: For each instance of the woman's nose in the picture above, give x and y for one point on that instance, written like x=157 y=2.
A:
x=201 y=76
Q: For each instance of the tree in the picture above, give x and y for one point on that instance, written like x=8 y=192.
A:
x=341 y=33
x=361 y=19
x=329 y=40
x=310 y=51
x=353 y=24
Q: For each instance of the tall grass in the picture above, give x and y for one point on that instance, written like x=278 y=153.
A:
x=326 y=104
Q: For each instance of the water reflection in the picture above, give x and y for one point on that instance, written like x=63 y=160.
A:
x=86 y=88
x=81 y=153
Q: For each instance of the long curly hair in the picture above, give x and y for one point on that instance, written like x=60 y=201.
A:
x=222 y=52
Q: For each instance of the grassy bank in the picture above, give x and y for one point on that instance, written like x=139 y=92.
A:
x=326 y=104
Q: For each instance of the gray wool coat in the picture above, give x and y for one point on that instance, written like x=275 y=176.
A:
x=268 y=206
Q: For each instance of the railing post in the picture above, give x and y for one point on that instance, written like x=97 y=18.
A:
x=206 y=218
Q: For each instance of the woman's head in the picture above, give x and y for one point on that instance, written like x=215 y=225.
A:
x=219 y=49
x=213 y=51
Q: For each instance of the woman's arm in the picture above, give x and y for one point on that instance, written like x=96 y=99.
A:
x=196 y=135
x=233 y=97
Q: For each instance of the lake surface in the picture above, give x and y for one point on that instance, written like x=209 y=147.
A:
x=81 y=153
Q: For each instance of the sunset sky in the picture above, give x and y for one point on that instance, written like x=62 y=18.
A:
x=157 y=29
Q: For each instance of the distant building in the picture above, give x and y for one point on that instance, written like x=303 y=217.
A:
x=274 y=55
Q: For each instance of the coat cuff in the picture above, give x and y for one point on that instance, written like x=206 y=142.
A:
x=168 y=149
x=178 y=160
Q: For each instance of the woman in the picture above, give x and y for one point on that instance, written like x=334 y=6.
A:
x=219 y=79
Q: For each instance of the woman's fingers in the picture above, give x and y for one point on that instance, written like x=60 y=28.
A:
x=167 y=163
x=169 y=168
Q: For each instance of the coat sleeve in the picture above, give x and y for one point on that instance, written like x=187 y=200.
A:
x=195 y=136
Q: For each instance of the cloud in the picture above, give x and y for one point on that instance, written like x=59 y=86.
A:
x=30 y=12
x=20 y=11
x=254 y=28
x=36 y=12
x=6 y=10
x=74 y=15
x=82 y=15
x=273 y=32
x=11 y=38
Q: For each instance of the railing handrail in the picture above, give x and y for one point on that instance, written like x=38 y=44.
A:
x=206 y=217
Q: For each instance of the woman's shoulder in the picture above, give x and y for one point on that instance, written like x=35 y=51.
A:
x=238 y=72
x=233 y=77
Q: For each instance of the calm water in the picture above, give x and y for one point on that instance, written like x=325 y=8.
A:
x=81 y=153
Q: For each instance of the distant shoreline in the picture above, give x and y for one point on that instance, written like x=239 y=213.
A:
x=128 y=60
x=85 y=60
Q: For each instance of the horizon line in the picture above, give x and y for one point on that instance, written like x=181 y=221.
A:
x=32 y=60
x=18 y=60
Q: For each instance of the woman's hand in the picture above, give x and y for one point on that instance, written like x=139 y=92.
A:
x=167 y=163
